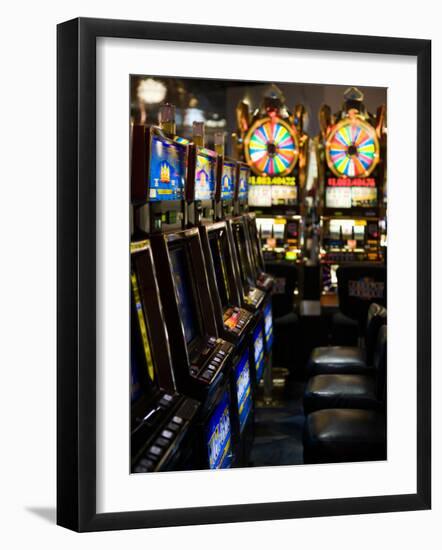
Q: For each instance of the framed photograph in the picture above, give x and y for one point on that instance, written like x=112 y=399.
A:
x=226 y=201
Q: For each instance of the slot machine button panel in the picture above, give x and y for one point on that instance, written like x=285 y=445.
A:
x=155 y=451
x=162 y=442
x=167 y=434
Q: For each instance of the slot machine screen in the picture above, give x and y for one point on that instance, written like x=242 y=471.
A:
x=219 y=264
x=349 y=228
x=338 y=197
x=258 y=351
x=205 y=175
x=167 y=170
x=218 y=436
x=241 y=249
x=268 y=326
x=284 y=195
x=260 y=195
x=243 y=183
x=141 y=327
x=279 y=229
x=364 y=197
x=243 y=389
x=186 y=297
x=228 y=181
x=265 y=226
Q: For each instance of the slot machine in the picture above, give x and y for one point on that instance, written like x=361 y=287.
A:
x=162 y=420
x=351 y=154
x=202 y=179
x=252 y=296
x=158 y=172
x=200 y=360
x=274 y=145
x=234 y=323
x=227 y=177
x=251 y=259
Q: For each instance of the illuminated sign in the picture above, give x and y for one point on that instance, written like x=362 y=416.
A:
x=268 y=326
x=243 y=389
x=338 y=197
x=205 y=174
x=272 y=180
x=243 y=184
x=351 y=182
x=285 y=195
x=167 y=170
x=219 y=436
x=258 y=348
x=366 y=289
x=260 y=195
x=351 y=197
x=228 y=181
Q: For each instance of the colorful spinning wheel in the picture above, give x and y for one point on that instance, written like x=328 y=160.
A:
x=271 y=147
x=352 y=149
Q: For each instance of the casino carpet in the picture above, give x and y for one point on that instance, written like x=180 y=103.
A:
x=279 y=426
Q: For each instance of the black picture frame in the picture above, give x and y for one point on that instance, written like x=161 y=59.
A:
x=76 y=273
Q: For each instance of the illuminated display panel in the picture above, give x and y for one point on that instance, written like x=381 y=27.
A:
x=222 y=281
x=167 y=170
x=338 y=197
x=284 y=195
x=260 y=195
x=241 y=250
x=228 y=180
x=279 y=229
x=264 y=226
x=364 y=197
x=268 y=326
x=271 y=147
x=258 y=351
x=135 y=386
x=205 y=175
x=186 y=302
x=243 y=183
x=142 y=327
x=243 y=389
x=218 y=436
x=348 y=228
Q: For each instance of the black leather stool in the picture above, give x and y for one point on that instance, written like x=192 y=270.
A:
x=344 y=435
x=346 y=359
x=351 y=391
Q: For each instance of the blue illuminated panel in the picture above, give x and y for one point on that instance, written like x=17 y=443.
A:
x=205 y=175
x=219 y=440
x=228 y=180
x=268 y=326
x=258 y=351
x=243 y=190
x=243 y=389
x=167 y=170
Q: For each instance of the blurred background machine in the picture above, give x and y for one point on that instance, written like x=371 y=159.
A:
x=352 y=188
x=272 y=141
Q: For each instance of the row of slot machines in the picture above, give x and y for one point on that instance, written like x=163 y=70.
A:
x=201 y=328
x=320 y=199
